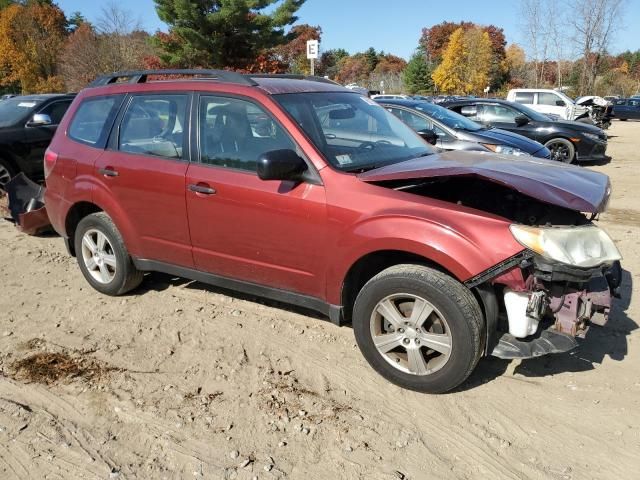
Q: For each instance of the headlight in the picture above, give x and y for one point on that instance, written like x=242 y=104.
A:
x=593 y=136
x=586 y=246
x=505 y=149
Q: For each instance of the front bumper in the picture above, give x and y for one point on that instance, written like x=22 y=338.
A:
x=590 y=151
x=551 y=307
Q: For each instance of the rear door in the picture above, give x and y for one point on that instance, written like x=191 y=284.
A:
x=633 y=109
x=264 y=232
x=143 y=171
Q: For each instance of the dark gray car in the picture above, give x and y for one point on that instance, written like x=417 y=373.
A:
x=456 y=132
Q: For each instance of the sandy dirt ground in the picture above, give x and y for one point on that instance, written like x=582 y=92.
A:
x=179 y=380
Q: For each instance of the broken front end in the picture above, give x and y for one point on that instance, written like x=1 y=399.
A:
x=553 y=291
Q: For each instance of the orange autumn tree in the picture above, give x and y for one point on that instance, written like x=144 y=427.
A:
x=31 y=37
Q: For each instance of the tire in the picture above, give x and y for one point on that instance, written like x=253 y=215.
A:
x=105 y=263
x=447 y=309
x=562 y=149
x=7 y=172
x=623 y=119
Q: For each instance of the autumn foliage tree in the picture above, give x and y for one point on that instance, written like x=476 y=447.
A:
x=435 y=39
x=466 y=62
x=293 y=54
x=449 y=76
x=31 y=38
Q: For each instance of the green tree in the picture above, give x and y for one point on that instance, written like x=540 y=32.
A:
x=224 y=33
x=417 y=74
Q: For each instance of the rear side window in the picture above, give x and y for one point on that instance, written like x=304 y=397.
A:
x=154 y=125
x=92 y=120
x=545 y=98
x=524 y=97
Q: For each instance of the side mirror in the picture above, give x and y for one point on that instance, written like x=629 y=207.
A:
x=521 y=120
x=560 y=103
x=429 y=135
x=39 y=120
x=281 y=165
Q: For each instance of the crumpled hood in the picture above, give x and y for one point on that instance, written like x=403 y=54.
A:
x=566 y=186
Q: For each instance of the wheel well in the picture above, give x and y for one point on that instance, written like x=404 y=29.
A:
x=12 y=163
x=77 y=213
x=369 y=266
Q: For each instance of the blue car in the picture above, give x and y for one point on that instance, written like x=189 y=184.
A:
x=626 y=108
x=449 y=130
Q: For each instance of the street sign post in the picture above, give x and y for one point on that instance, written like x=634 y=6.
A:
x=312 y=53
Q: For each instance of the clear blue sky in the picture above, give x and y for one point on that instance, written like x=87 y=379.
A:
x=390 y=26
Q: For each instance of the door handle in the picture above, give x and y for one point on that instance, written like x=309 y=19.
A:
x=200 y=188
x=108 y=172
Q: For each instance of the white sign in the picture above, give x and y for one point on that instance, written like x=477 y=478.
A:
x=312 y=49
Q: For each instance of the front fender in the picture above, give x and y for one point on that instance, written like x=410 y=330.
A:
x=464 y=248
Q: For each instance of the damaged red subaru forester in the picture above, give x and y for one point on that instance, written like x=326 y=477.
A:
x=300 y=190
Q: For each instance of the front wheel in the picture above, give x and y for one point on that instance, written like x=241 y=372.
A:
x=561 y=149
x=419 y=328
x=6 y=172
x=103 y=257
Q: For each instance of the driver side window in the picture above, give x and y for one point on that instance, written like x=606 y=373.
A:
x=154 y=125
x=498 y=114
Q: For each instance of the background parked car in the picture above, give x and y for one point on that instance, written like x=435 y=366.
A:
x=626 y=108
x=568 y=141
x=546 y=101
x=452 y=131
x=390 y=97
x=27 y=125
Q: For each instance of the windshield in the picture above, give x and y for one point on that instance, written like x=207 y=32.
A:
x=353 y=132
x=532 y=114
x=15 y=109
x=449 y=118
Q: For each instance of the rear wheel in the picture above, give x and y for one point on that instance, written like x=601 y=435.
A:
x=103 y=257
x=7 y=172
x=561 y=149
x=419 y=328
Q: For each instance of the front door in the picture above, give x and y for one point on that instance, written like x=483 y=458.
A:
x=266 y=232
x=144 y=170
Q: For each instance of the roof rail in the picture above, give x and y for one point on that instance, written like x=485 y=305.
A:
x=312 y=78
x=140 y=76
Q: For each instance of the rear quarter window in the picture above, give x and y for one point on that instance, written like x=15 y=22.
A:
x=93 y=119
x=524 y=97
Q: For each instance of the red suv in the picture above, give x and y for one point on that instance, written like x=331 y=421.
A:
x=306 y=192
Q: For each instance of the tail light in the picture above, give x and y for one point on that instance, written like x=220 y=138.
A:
x=50 y=159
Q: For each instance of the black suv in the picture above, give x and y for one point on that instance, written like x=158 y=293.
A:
x=568 y=141
x=27 y=125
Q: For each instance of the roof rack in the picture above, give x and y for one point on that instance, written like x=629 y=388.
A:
x=312 y=78
x=140 y=76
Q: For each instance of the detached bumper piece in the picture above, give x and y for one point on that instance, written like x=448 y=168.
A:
x=26 y=205
x=549 y=341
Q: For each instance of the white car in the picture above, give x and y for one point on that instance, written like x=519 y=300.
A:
x=390 y=97
x=547 y=101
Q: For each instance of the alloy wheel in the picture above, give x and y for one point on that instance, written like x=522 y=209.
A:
x=560 y=152
x=98 y=256
x=411 y=334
